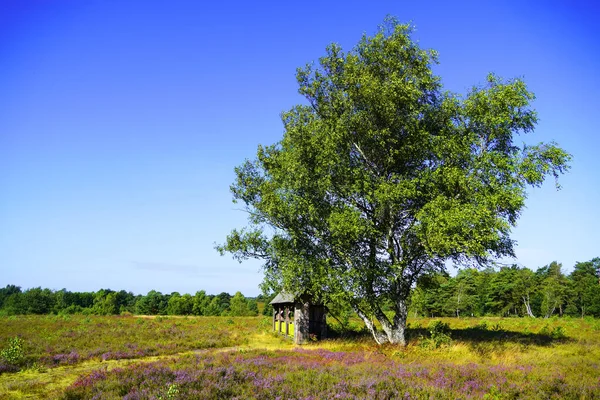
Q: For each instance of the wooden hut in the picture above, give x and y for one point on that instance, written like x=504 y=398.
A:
x=296 y=316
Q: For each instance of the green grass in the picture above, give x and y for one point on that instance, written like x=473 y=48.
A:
x=58 y=340
x=525 y=358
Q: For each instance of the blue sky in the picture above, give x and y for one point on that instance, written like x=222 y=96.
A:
x=121 y=123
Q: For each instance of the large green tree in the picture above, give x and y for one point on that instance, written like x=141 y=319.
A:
x=239 y=306
x=585 y=287
x=525 y=286
x=382 y=176
x=463 y=293
x=552 y=288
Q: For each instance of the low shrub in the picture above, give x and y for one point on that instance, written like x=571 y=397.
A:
x=439 y=334
x=13 y=354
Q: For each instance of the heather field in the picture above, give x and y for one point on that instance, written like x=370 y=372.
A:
x=58 y=340
x=130 y=357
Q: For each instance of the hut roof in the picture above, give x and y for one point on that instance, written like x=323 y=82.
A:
x=283 y=297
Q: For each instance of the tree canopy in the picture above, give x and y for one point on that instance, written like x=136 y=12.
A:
x=382 y=176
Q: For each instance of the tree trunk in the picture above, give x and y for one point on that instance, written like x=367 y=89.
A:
x=392 y=332
x=379 y=337
x=528 y=306
x=398 y=334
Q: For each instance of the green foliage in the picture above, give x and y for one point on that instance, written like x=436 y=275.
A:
x=267 y=298
x=482 y=326
x=585 y=288
x=105 y=303
x=384 y=177
x=558 y=333
x=180 y=305
x=8 y=291
x=439 y=334
x=36 y=301
x=200 y=304
x=510 y=291
x=462 y=290
x=342 y=313
x=493 y=394
x=214 y=308
x=110 y=302
x=13 y=354
x=252 y=307
x=171 y=393
x=154 y=303
x=241 y=307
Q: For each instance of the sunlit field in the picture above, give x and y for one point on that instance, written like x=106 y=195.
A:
x=58 y=340
x=79 y=357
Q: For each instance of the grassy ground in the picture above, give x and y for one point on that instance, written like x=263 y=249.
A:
x=202 y=357
x=61 y=340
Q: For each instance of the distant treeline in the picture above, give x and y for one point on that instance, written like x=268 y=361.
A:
x=14 y=301
x=511 y=291
x=508 y=291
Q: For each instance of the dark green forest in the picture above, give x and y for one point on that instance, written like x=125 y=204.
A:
x=511 y=291
x=505 y=291
x=14 y=301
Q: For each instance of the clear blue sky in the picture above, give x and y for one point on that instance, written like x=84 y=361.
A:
x=121 y=123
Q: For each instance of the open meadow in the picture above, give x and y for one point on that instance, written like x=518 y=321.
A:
x=131 y=357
